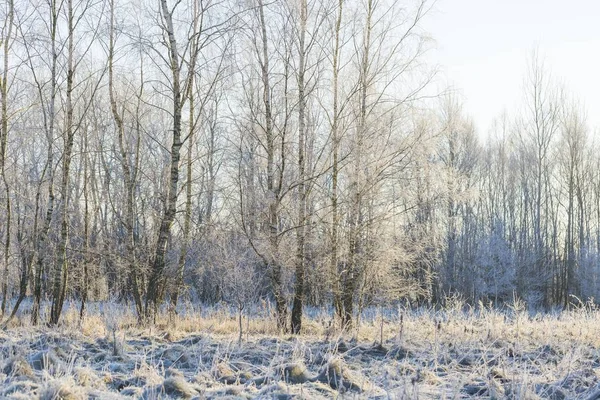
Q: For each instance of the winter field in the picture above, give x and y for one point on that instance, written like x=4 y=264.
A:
x=456 y=353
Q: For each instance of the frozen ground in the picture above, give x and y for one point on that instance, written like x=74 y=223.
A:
x=451 y=354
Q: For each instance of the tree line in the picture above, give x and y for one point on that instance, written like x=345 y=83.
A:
x=294 y=151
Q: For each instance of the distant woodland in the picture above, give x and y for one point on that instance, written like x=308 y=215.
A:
x=295 y=152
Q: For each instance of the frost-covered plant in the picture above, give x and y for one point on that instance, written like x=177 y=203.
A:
x=240 y=280
x=112 y=314
x=495 y=271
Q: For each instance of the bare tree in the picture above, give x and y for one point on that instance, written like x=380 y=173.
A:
x=129 y=166
x=573 y=141
x=262 y=119
x=72 y=126
x=6 y=42
x=538 y=133
x=370 y=165
x=48 y=109
x=203 y=32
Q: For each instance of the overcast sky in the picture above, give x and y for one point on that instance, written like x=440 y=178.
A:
x=483 y=46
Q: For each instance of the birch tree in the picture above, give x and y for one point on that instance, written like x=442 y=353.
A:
x=6 y=39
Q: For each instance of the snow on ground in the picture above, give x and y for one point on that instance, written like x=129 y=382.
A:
x=425 y=355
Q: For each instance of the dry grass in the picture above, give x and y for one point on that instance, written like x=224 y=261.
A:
x=460 y=351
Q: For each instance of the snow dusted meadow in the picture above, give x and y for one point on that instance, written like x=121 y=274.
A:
x=456 y=353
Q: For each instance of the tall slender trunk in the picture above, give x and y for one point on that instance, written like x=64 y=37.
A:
x=274 y=268
x=210 y=183
x=353 y=268
x=128 y=174
x=451 y=213
x=41 y=242
x=302 y=193
x=136 y=276
x=3 y=150
x=335 y=135
x=187 y=223
x=86 y=229
x=170 y=207
x=49 y=122
x=61 y=271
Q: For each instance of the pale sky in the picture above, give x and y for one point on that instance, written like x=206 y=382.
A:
x=483 y=46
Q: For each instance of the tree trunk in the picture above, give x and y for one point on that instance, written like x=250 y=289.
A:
x=301 y=232
x=352 y=272
x=3 y=150
x=273 y=266
x=128 y=174
x=61 y=271
x=86 y=229
x=337 y=300
x=187 y=223
x=170 y=207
